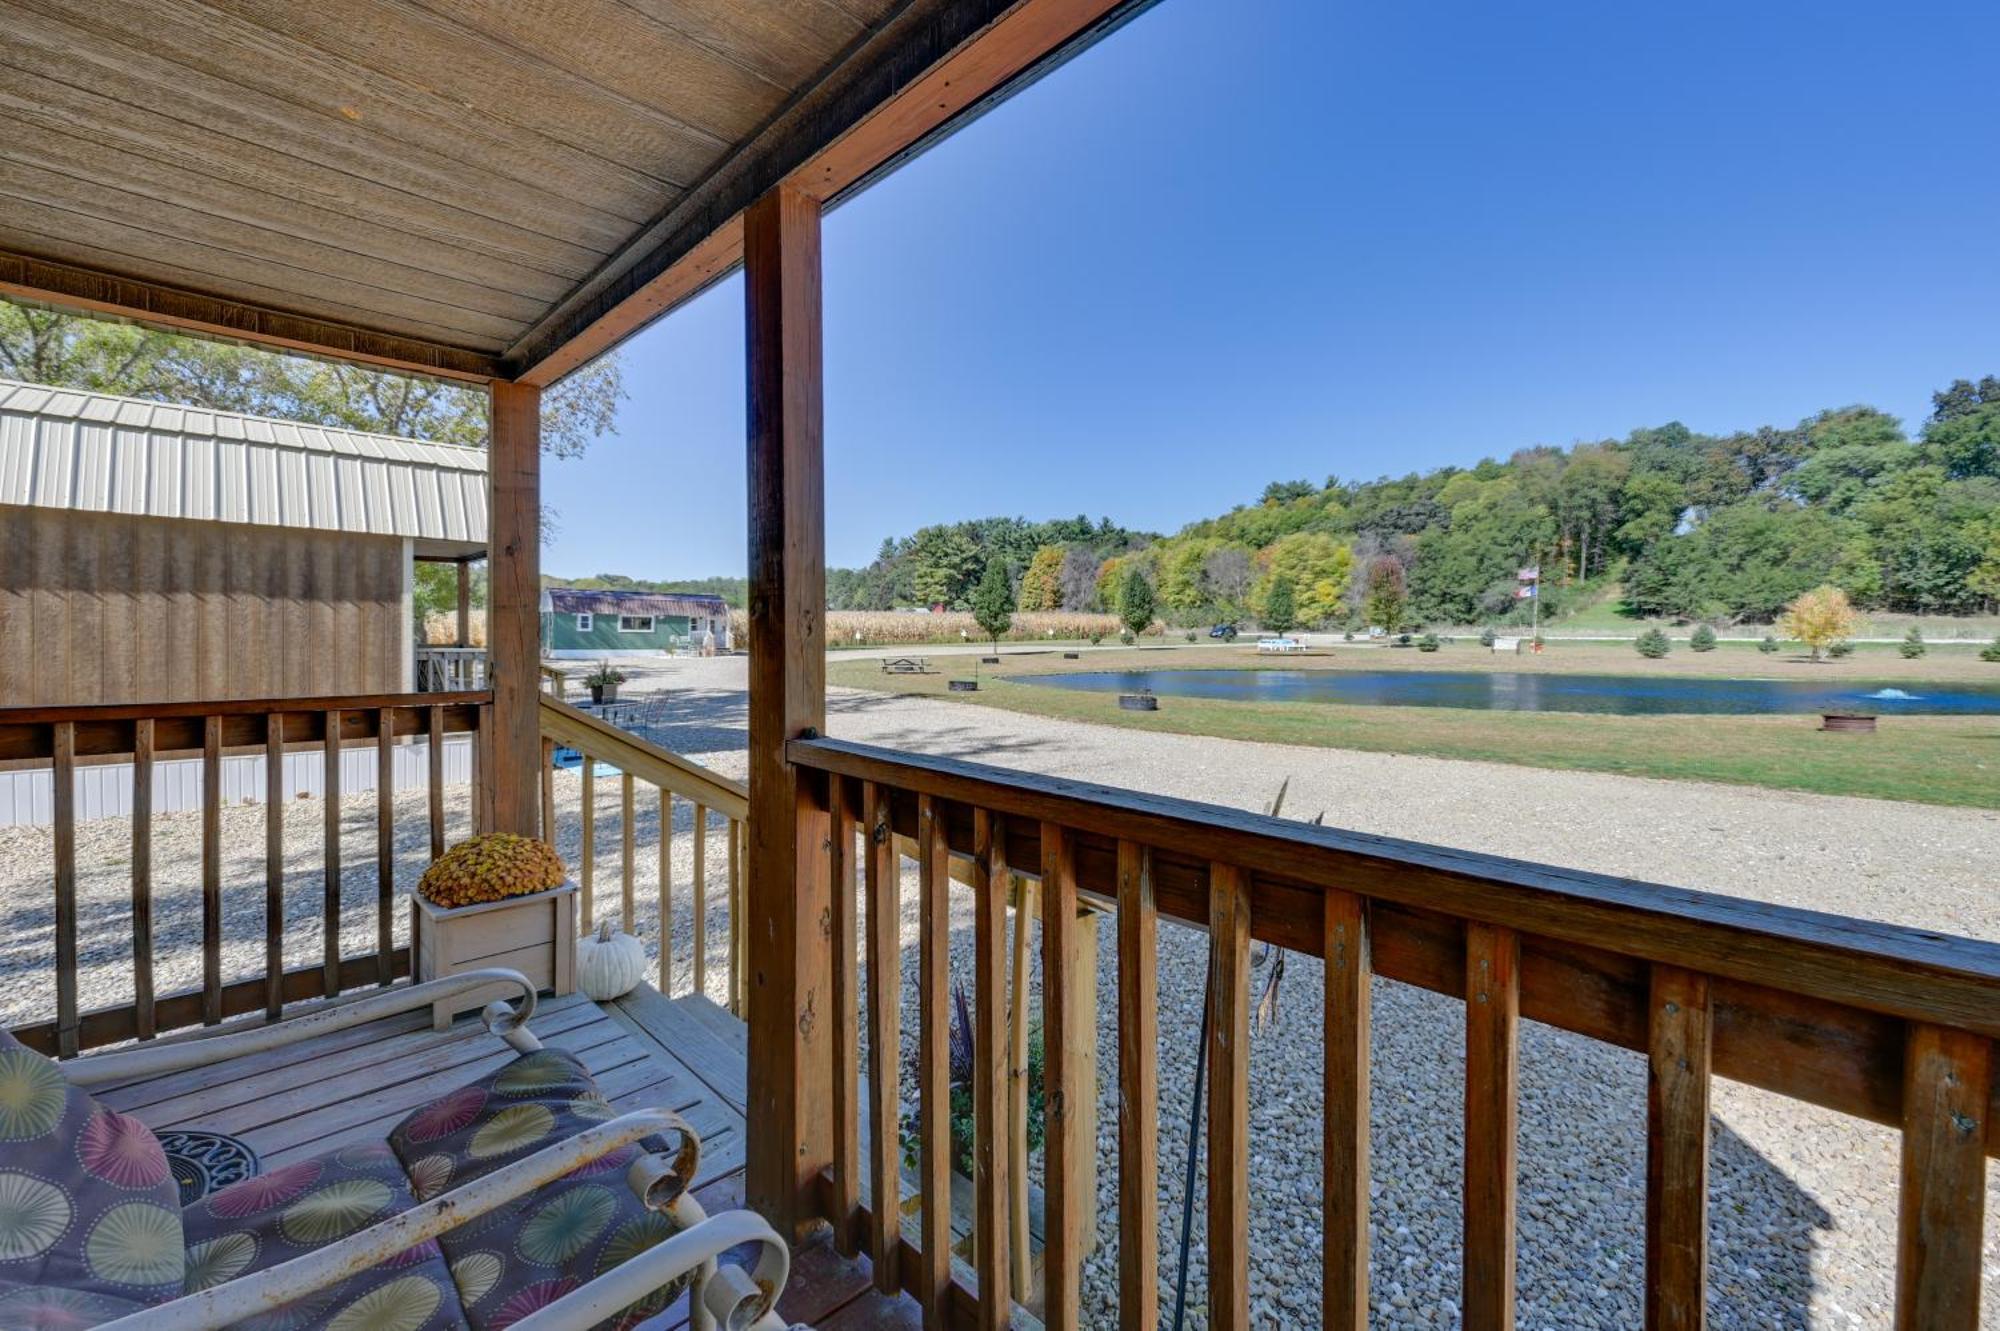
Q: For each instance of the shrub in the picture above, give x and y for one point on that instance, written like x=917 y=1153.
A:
x=1840 y=650
x=1991 y=652
x=1703 y=639
x=1653 y=644
x=1189 y=635
x=1096 y=639
x=492 y=867
x=1768 y=646
x=1913 y=644
x=1347 y=636
x=1127 y=637
x=1487 y=637
x=1428 y=643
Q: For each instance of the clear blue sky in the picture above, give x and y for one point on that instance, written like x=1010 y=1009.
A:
x=1250 y=239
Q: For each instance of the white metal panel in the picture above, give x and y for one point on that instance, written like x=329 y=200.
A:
x=128 y=477
x=198 y=476
x=94 y=450
x=55 y=460
x=17 y=458
x=350 y=491
x=163 y=489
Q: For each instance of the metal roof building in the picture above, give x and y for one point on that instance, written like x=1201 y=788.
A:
x=96 y=452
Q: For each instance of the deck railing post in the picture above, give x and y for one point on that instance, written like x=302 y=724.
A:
x=508 y=794
x=788 y=892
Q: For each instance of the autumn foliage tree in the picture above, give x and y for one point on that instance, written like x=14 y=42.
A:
x=1384 y=593
x=1819 y=619
x=1041 y=585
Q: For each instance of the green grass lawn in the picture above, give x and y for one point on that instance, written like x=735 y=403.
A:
x=1930 y=759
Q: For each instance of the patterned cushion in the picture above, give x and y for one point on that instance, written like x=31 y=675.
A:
x=531 y=1251
x=296 y=1208
x=89 y=1212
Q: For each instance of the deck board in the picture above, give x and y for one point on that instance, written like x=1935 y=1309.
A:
x=645 y=1050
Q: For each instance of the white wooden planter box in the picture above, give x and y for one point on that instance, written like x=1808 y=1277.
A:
x=533 y=934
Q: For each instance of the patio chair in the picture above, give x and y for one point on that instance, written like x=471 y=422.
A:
x=520 y=1201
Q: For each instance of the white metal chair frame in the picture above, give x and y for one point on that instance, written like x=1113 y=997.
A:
x=721 y=1296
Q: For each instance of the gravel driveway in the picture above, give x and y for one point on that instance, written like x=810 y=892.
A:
x=1803 y=1214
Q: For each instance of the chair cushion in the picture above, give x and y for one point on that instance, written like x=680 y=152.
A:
x=88 y=1208
x=535 y=1249
x=296 y=1208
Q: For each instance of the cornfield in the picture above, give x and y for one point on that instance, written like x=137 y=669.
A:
x=441 y=628
x=881 y=628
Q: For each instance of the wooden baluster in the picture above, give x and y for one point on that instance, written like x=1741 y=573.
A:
x=62 y=778
x=883 y=871
x=385 y=845
x=1062 y=1090
x=549 y=791
x=1677 y=1151
x=628 y=901
x=991 y=1183
x=1492 y=1018
x=142 y=877
x=1020 y=1246
x=739 y=941
x=1344 y=1301
x=699 y=916
x=437 y=780
x=1947 y=1077
x=846 y=1016
x=1229 y=1101
x=934 y=1062
x=330 y=910
x=1138 y=1092
x=482 y=739
x=586 y=860
x=666 y=892
x=274 y=865
x=211 y=870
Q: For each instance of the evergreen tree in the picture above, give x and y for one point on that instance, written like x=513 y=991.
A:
x=1135 y=600
x=993 y=602
x=1280 y=606
x=1653 y=644
x=1913 y=644
x=1703 y=639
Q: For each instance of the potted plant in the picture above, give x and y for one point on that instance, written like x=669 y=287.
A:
x=603 y=683
x=496 y=900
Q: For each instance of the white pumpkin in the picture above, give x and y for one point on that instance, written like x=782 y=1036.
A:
x=609 y=965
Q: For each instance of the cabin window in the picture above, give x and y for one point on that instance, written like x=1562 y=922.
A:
x=583 y=623
x=635 y=623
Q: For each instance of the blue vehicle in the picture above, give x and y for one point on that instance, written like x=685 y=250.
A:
x=1226 y=632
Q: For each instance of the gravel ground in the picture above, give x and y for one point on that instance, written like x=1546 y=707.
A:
x=1803 y=1214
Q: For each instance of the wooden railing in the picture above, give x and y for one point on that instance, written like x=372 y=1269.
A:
x=144 y=733
x=450 y=669
x=1891 y=1025
x=720 y=806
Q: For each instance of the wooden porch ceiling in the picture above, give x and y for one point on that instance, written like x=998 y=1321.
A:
x=477 y=188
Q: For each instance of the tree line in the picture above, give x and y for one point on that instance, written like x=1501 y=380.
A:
x=1727 y=528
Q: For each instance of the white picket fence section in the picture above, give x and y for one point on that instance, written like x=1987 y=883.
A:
x=105 y=791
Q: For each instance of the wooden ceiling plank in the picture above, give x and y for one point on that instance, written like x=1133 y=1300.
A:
x=67 y=285
x=27 y=227
x=210 y=157
x=302 y=103
x=937 y=64
x=65 y=170
x=402 y=47
x=787 y=44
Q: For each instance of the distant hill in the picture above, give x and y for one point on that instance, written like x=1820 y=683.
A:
x=1689 y=526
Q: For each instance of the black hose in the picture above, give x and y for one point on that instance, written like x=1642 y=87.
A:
x=1194 y=1144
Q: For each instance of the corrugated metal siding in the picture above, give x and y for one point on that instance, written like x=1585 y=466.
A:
x=105 y=791
x=99 y=453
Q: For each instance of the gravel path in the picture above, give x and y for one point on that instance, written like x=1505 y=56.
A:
x=1803 y=1215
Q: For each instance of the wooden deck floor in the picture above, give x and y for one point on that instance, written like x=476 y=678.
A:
x=644 y=1050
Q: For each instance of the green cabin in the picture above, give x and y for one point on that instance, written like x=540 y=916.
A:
x=579 y=624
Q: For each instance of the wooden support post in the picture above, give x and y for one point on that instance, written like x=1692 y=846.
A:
x=933 y=1065
x=385 y=845
x=330 y=895
x=1677 y=1151
x=1020 y=1248
x=506 y=797
x=989 y=1071
x=1138 y=1092
x=1062 y=1087
x=211 y=869
x=274 y=860
x=790 y=1069
x=1492 y=1016
x=846 y=1017
x=465 y=610
x=1946 y=1095
x=1345 y=1179
x=1229 y=1101
x=883 y=874
x=63 y=807
x=436 y=756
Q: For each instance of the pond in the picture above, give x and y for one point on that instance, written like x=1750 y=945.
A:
x=1511 y=691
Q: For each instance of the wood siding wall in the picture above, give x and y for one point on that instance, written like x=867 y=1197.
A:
x=110 y=608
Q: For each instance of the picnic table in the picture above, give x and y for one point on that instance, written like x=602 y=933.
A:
x=907 y=665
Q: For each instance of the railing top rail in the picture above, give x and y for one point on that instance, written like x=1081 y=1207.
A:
x=1911 y=973
x=642 y=758
x=155 y=711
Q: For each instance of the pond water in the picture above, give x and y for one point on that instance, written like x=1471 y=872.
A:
x=1509 y=691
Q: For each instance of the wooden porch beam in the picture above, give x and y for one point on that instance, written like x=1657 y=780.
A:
x=508 y=792
x=936 y=66
x=789 y=892
x=70 y=286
